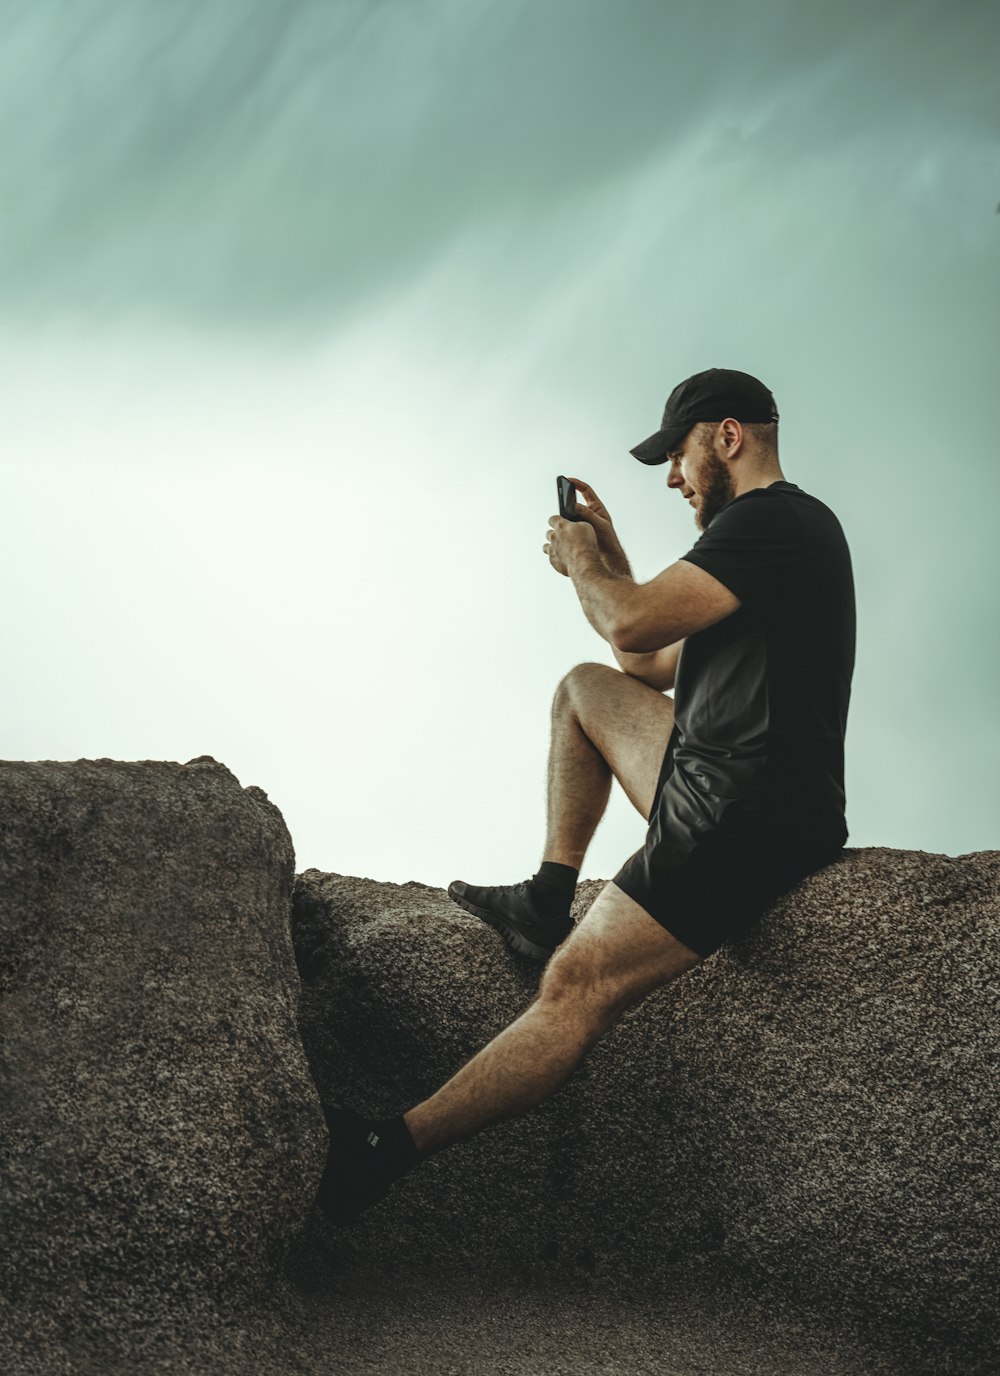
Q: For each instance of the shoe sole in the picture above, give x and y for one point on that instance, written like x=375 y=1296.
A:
x=514 y=939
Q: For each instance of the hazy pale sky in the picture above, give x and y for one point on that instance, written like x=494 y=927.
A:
x=304 y=306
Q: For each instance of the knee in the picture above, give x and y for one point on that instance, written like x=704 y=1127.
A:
x=571 y=981
x=581 y=680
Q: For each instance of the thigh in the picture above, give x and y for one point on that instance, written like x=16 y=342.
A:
x=629 y=724
x=710 y=886
x=617 y=953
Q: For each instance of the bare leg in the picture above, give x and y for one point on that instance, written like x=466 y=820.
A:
x=579 y=784
x=616 y=955
x=524 y=1064
x=604 y=725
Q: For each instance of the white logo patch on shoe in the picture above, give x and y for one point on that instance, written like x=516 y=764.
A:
x=373 y=1139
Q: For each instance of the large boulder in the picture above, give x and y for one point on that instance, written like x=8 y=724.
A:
x=161 y=1137
x=810 y=1113
x=781 y=1163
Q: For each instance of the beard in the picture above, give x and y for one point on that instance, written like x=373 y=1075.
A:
x=716 y=489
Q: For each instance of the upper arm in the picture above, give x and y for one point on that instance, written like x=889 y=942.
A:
x=678 y=602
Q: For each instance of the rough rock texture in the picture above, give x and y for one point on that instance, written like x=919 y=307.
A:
x=811 y=1114
x=780 y=1165
x=160 y=1133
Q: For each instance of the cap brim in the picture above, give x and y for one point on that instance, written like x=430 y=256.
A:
x=658 y=446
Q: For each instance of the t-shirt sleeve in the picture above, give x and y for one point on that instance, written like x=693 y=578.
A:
x=754 y=546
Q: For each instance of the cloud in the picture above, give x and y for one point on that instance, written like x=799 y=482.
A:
x=305 y=307
x=245 y=161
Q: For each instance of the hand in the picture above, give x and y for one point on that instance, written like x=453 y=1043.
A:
x=596 y=513
x=564 y=538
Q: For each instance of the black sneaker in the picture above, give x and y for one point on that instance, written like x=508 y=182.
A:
x=511 y=910
x=349 y=1183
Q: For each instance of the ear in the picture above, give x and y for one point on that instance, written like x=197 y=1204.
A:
x=732 y=437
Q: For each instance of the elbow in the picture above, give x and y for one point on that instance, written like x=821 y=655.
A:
x=621 y=639
x=635 y=639
x=626 y=638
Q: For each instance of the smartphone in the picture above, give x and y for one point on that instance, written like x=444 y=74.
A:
x=567 y=498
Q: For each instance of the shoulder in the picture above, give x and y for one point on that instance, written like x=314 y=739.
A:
x=762 y=514
x=761 y=503
x=754 y=543
x=782 y=512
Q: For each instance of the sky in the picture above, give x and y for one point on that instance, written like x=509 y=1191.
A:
x=304 y=306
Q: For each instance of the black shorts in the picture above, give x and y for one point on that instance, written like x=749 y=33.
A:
x=711 y=866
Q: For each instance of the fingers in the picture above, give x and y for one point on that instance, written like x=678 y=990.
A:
x=553 y=560
x=583 y=487
x=593 y=501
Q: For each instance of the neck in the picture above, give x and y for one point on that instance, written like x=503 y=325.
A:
x=763 y=476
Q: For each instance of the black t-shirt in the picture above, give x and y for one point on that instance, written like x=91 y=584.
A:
x=761 y=697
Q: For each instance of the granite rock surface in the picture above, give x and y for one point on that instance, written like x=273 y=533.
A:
x=781 y=1164
x=812 y=1112
x=161 y=1136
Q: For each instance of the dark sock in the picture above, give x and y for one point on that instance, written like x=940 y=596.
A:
x=554 y=887
x=393 y=1150
x=364 y=1158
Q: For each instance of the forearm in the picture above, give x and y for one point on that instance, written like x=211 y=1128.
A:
x=637 y=664
x=606 y=594
x=616 y=560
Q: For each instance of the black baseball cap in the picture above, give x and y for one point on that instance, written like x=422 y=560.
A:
x=713 y=395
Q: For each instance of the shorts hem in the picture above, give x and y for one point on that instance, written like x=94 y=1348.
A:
x=672 y=927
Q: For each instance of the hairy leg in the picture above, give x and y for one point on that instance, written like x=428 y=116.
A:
x=604 y=724
x=615 y=956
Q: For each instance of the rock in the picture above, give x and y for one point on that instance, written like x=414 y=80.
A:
x=810 y=1113
x=781 y=1164
x=161 y=1136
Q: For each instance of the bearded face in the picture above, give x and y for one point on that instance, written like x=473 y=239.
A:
x=713 y=483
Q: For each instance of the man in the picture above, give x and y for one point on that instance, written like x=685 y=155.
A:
x=741 y=777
